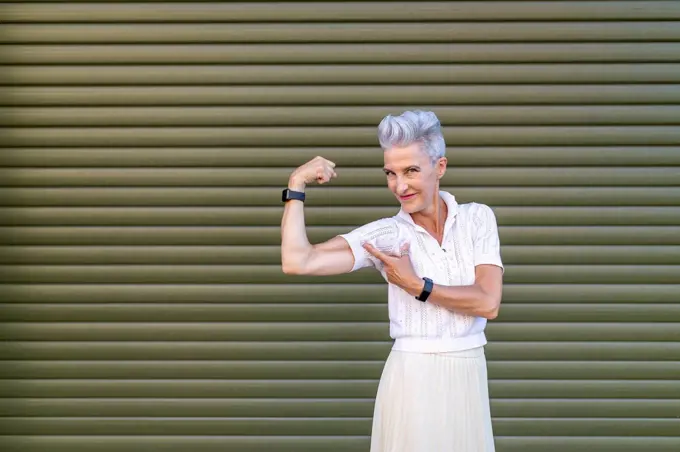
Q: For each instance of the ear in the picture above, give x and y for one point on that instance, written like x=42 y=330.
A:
x=441 y=167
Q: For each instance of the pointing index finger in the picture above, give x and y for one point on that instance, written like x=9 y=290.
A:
x=379 y=254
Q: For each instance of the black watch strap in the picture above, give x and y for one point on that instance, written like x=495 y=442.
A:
x=289 y=194
x=427 y=290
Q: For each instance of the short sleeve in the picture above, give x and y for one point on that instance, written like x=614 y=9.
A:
x=383 y=234
x=486 y=243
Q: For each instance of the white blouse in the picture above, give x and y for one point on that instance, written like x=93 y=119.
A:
x=470 y=239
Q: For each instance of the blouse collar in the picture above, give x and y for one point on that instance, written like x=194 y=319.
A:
x=452 y=207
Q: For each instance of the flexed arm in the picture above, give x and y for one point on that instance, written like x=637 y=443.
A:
x=298 y=256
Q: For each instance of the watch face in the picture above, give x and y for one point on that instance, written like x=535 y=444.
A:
x=289 y=194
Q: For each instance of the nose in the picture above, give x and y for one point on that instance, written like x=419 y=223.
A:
x=402 y=186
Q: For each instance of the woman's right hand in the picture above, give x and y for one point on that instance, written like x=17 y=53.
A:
x=318 y=169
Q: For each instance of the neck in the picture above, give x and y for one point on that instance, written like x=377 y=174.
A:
x=433 y=217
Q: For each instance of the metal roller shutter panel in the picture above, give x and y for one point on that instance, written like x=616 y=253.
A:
x=143 y=147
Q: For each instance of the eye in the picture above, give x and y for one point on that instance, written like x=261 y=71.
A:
x=412 y=170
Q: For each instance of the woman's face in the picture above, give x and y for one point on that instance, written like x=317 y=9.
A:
x=412 y=177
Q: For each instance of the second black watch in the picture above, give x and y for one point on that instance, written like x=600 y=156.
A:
x=427 y=290
x=289 y=194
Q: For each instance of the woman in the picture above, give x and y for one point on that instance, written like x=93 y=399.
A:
x=443 y=266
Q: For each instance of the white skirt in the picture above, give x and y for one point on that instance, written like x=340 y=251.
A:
x=433 y=402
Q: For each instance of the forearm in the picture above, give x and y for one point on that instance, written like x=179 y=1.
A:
x=470 y=300
x=295 y=246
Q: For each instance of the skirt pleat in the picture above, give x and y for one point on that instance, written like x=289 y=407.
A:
x=433 y=402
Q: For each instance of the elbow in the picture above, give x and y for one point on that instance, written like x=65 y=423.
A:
x=292 y=268
x=491 y=309
x=491 y=314
x=292 y=265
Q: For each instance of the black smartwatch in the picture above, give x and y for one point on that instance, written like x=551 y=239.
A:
x=427 y=290
x=289 y=194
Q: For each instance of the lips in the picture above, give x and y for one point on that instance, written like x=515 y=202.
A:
x=407 y=197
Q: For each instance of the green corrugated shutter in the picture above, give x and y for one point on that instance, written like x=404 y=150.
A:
x=144 y=147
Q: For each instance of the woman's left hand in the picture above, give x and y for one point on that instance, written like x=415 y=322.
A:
x=398 y=269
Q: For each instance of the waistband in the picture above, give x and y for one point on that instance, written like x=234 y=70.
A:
x=439 y=345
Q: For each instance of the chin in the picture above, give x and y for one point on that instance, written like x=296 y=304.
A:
x=410 y=207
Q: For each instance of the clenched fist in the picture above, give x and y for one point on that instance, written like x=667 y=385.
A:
x=318 y=169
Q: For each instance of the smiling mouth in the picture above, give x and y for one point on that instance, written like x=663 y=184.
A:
x=407 y=197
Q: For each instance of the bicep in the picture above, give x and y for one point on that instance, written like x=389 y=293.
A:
x=344 y=253
x=332 y=257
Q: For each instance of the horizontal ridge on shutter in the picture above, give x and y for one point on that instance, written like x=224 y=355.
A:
x=363 y=94
x=371 y=11
x=453 y=31
x=22 y=160
x=331 y=116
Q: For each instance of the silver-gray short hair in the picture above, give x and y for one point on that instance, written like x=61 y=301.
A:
x=413 y=127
